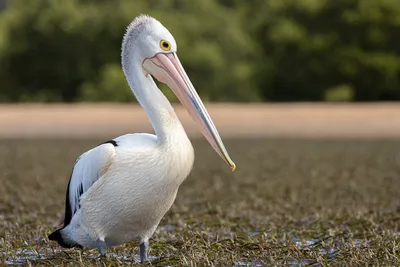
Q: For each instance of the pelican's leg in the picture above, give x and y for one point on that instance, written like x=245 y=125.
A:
x=144 y=247
x=101 y=246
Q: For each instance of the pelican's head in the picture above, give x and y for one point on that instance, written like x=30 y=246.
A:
x=155 y=49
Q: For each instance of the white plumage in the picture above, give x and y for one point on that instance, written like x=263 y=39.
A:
x=120 y=190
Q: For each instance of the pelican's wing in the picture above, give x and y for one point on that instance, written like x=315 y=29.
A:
x=88 y=168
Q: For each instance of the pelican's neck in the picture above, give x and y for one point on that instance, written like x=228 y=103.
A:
x=159 y=110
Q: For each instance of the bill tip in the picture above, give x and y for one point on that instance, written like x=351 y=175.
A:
x=233 y=166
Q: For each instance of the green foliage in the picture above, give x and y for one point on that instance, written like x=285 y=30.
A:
x=275 y=50
x=70 y=50
x=111 y=86
x=313 y=45
x=339 y=93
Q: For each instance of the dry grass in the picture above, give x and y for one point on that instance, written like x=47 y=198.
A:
x=290 y=203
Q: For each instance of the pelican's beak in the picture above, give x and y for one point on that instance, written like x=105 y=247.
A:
x=168 y=69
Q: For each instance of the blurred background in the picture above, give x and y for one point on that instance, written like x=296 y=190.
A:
x=293 y=86
x=233 y=51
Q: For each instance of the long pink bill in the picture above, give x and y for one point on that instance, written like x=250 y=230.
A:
x=168 y=69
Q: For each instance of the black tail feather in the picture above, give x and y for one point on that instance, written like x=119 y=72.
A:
x=57 y=236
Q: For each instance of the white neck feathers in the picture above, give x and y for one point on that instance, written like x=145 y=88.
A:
x=159 y=110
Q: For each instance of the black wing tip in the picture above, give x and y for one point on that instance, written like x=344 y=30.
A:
x=113 y=142
x=57 y=236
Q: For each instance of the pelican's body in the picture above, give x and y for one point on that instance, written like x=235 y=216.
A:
x=129 y=200
x=120 y=190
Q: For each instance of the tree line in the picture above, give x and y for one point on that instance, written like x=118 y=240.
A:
x=232 y=50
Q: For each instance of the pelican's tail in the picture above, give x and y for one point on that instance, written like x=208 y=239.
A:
x=61 y=240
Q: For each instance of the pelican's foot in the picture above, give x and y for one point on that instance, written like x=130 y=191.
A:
x=144 y=247
x=101 y=246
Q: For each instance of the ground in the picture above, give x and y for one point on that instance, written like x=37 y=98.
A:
x=232 y=120
x=324 y=200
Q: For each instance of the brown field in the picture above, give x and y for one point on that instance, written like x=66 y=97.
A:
x=330 y=199
x=244 y=120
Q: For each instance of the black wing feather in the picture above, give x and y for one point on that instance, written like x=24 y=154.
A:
x=68 y=209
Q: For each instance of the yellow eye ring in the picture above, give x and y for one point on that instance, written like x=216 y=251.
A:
x=165 y=45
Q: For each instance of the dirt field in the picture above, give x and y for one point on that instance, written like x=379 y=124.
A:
x=283 y=120
x=331 y=199
x=290 y=203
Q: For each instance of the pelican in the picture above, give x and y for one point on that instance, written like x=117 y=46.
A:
x=121 y=189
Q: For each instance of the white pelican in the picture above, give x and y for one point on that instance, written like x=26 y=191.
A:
x=120 y=190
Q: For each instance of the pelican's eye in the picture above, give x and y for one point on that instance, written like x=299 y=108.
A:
x=165 y=45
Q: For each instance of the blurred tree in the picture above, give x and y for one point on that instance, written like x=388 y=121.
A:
x=70 y=50
x=233 y=50
x=312 y=45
